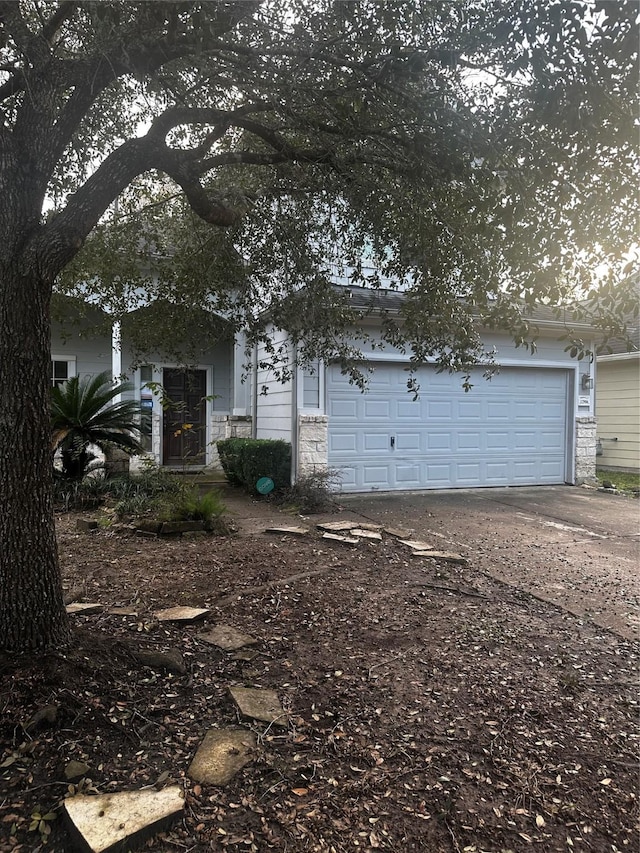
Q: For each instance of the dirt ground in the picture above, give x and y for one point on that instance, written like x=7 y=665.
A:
x=431 y=707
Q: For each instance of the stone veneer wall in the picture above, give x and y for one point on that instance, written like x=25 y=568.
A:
x=227 y=426
x=585 y=449
x=313 y=443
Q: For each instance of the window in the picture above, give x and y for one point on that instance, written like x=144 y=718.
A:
x=62 y=369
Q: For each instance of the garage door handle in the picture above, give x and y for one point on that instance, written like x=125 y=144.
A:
x=393 y=441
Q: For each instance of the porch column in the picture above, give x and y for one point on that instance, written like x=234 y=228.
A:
x=240 y=378
x=116 y=355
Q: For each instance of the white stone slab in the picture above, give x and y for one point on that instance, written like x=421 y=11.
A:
x=399 y=532
x=222 y=753
x=346 y=540
x=337 y=526
x=416 y=546
x=109 y=822
x=182 y=614
x=290 y=531
x=84 y=608
x=363 y=533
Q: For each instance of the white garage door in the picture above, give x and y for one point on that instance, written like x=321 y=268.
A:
x=511 y=430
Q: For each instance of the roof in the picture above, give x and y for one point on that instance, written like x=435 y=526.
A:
x=629 y=346
x=368 y=299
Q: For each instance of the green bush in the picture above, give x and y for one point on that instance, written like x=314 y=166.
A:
x=246 y=460
x=190 y=505
x=229 y=451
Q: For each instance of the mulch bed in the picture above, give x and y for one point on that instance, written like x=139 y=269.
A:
x=431 y=707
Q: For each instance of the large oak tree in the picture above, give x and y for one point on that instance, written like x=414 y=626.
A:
x=478 y=149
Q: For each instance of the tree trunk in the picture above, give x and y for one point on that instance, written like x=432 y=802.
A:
x=32 y=613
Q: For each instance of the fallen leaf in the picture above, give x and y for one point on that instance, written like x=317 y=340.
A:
x=540 y=821
x=299 y=792
x=606 y=781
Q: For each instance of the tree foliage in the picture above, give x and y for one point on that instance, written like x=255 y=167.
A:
x=480 y=150
x=220 y=155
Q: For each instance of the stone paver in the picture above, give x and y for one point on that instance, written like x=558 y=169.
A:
x=84 y=608
x=363 y=533
x=259 y=704
x=182 y=614
x=222 y=753
x=110 y=822
x=291 y=531
x=227 y=637
x=345 y=540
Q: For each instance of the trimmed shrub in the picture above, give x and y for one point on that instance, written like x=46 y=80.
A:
x=246 y=460
x=229 y=450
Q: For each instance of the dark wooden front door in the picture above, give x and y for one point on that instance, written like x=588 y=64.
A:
x=184 y=436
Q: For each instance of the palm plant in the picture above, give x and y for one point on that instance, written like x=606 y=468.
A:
x=83 y=414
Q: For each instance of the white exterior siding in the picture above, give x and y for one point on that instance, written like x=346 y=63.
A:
x=92 y=353
x=273 y=400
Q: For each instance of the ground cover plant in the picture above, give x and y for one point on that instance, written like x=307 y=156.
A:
x=430 y=707
x=624 y=481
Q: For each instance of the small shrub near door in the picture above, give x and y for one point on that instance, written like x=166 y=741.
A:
x=246 y=460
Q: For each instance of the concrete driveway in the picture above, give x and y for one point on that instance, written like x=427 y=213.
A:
x=575 y=547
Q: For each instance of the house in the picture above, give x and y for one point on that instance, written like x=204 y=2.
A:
x=532 y=423
x=618 y=402
x=208 y=402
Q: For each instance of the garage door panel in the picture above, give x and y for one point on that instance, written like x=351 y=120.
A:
x=469 y=441
x=377 y=409
x=408 y=441
x=343 y=442
x=375 y=475
x=340 y=408
x=508 y=431
x=552 y=411
x=408 y=475
x=375 y=441
x=497 y=440
x=525 y=441
x=497 y=410
x=408 y=410
x=552 y=441
x=468 y=472
x=497 y=472
x=439 y=409
x=439 y=474
x=469 y=410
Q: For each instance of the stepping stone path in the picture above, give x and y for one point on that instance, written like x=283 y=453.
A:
x=109 y=822
x=182 y=614
x=222 y=753
x=260 y=704
x=227 y=637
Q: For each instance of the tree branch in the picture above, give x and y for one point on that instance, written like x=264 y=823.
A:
x=64 y=11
